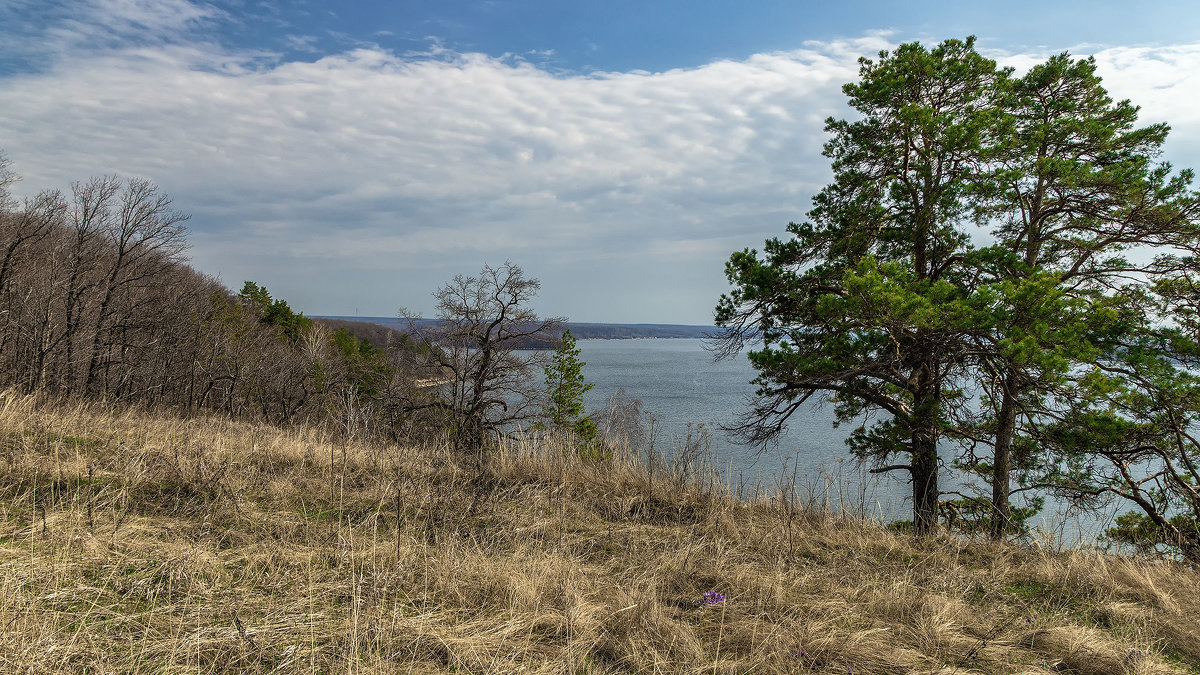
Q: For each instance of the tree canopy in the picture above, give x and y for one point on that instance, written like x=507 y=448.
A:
x=484 y=324
x=969 y=259
x=565 y=387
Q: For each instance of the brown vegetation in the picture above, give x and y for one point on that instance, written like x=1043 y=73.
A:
x=138 y=542
x=97 y=301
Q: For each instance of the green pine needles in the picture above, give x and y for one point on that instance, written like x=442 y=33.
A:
x=565 y=388
x=1001 y=277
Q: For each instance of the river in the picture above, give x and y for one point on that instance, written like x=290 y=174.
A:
x=679 y=383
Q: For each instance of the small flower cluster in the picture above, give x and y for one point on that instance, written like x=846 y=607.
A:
x=711 y=598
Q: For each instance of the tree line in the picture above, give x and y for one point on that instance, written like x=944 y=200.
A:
x=1001 y=277
x=97 y=300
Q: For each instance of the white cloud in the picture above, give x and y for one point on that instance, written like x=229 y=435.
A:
x=96 y=23
x=302 y=43
x=158 y=16
x=1162 y=80
x=366 y=178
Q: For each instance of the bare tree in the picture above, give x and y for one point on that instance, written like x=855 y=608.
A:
x=7 y=178
x=145 y=237
x=84 y=245
x=489 y=345
x=96 y=299
x=23 y=257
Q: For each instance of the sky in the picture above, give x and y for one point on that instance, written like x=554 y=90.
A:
x=353 y=156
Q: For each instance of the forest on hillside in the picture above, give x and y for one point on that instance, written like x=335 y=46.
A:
x=97 y=301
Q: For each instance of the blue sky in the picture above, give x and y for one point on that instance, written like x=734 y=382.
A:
x=352 y=156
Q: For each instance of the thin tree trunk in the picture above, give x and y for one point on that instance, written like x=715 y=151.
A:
x=925 y=485
x=924 y=458
x=1001 y=523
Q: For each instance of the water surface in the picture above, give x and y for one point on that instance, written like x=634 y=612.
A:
x=678 y=381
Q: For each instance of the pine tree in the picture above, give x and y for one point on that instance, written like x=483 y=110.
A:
x=884 y=305
x=1077 y=186
x=565 y=388
x=868 y=305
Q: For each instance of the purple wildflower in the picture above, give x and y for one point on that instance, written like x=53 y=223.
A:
x=711 y=598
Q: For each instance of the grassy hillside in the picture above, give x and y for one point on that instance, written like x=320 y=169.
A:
x=137 y=542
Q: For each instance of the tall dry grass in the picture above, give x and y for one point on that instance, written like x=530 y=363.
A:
x=135 y=542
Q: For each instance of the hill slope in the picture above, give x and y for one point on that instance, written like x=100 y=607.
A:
x=140 y=542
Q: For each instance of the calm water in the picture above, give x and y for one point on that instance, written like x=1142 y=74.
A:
x=677 y=380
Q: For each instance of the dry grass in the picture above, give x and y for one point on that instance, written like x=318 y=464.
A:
x=137 y=542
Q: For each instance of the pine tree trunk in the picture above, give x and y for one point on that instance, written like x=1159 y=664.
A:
x=924 y=459
x=1005 y=424
x=925 y=486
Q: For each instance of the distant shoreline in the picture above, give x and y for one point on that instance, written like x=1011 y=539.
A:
x=581 y=330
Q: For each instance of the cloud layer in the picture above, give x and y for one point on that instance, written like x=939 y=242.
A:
x=364 y=179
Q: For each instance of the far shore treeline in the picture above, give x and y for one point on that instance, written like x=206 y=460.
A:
x=580 y=330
